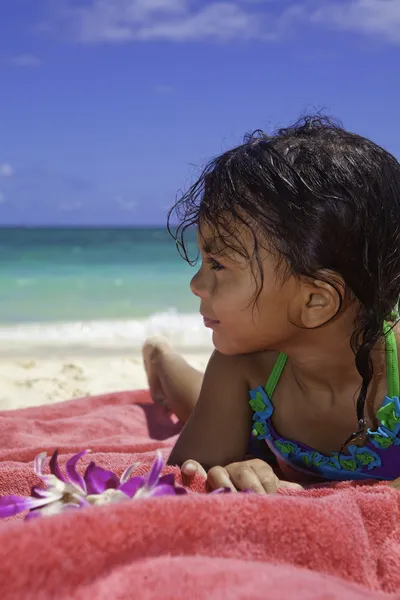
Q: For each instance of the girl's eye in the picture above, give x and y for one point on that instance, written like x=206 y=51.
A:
x=215 y=266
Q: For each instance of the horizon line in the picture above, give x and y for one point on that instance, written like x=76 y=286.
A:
x=58 y=226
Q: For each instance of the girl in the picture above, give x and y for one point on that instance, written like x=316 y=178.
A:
x=299 y=235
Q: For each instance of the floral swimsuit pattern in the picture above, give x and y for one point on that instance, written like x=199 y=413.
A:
x=379 y=458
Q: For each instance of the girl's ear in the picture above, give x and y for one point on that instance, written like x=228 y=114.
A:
x=318 y=302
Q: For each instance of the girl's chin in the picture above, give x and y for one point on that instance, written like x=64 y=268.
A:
x=224 y=345
x=233 y=346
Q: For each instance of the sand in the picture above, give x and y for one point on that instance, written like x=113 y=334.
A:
x=34 y=378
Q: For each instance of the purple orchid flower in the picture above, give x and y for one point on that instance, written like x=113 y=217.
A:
x=96 y=487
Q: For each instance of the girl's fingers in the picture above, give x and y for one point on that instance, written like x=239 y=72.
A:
x=395 y=484
x=290 y=485
x=191 y=467
x=218 y=477
x=245 y=478
x=255 y=475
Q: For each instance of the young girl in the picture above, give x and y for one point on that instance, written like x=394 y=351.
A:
x=299 y=235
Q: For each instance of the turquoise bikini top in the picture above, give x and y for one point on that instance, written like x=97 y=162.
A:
x=379 y=458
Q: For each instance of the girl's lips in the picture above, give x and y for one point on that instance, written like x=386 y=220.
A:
x=210 y=322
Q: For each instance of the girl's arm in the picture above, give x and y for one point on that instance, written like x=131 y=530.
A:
x=218 y=430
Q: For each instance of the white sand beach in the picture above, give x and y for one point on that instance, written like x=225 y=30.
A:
x=77 y=305
x=32 y=379
x=42 y=363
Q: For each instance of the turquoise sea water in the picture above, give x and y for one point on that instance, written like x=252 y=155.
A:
x=90 y=274
x=104 y=285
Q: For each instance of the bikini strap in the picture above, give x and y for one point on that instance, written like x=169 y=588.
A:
x=276 y=372
x=392 y=364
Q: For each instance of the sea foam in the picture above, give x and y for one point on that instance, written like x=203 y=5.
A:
x=184 y=331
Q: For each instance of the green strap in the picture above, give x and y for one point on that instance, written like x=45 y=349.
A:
x=275 y=374
x=392 y=366
x=392 y=363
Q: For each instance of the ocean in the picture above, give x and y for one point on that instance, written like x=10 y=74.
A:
x=95 y=287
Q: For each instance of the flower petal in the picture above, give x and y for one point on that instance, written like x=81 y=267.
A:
x=69 y=505
x=154 y=474
x=32 y=514
x=98 y=480
x=128 y=472
x=12 y=505
x=38 y=463
x=37 y=492
x=55 y=468
x=82 y=502
x=132 y=486
x=108 y=497
x=72 y=474
x=168 y=479
x=53 y=508
x=54 y=485
x=164 y=490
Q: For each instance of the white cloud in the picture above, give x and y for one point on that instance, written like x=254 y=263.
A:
x=6 y=170
x=376 y=17
x=22 y=61
x=119 y=21
x=174 y=20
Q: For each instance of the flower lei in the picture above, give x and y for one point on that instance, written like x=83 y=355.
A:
x=96 y=486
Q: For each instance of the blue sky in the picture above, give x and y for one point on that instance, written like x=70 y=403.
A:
x=108 y=107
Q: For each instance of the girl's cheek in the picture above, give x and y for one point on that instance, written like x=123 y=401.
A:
x=227 y=299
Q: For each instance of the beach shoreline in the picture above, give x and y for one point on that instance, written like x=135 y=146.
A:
x=34 y=376
x=44 y=363
x=78 y=303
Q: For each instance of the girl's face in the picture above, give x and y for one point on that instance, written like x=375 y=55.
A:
x=227 y=285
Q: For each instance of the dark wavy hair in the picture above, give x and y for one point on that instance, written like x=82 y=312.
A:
x=327 y=201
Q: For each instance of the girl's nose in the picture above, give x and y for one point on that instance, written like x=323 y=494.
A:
x=198 y=285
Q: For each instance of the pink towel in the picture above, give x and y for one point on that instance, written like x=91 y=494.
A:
x=337 y=542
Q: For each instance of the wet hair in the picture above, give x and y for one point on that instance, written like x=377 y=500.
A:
x=327 y=201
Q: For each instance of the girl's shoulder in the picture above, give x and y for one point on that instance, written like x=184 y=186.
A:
x=253 y=368
x=257 y=367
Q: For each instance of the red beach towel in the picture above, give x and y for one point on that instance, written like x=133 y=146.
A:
x=332 y=542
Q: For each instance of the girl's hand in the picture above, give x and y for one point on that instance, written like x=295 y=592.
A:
x=395 y=484
x=255 y=475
